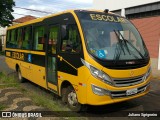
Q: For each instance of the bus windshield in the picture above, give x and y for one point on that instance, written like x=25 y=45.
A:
x=111 y=37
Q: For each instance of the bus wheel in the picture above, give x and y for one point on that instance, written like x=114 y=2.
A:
x=20 y=78
x=72 y=100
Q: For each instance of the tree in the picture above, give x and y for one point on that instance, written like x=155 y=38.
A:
x=6 y=7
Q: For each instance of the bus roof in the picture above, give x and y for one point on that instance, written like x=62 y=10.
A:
x=59 y=13
x=37 y=20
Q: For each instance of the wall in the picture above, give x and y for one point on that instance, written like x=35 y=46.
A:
x=119 y=4
x=3 y=36
x=150 y=31
x=159 y=55
x=3 y=31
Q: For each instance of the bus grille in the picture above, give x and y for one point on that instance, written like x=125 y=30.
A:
x=121 y=94
x=128 y=81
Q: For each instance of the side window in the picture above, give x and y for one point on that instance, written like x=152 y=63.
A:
x=53 y=37
x=70 y=39
x=39 y=41
x=19 y=38
x=8 y=44
x=27 y=36
x=13 y=42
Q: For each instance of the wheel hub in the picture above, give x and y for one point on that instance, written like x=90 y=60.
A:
x=72 y=98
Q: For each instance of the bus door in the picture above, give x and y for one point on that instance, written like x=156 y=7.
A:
x=51 y=68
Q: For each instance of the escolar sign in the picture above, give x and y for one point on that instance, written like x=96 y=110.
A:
x=107 y=18
x=17 y=55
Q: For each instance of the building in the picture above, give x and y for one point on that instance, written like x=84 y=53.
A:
x=16 y=21
x=145 y=15
x=2 y=37
x=23 y=19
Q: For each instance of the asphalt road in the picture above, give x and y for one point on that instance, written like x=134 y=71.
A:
x=149 y=103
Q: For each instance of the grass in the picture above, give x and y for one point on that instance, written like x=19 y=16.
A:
x=8 y=81
x=2 y=107
x=2 y=53
x=45 y=101
x=51 y=105
x=42 y=98
x=38 y=98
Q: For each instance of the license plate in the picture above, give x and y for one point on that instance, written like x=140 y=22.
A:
x=131 y=91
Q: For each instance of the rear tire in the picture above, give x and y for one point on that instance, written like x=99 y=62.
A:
x=20 y=78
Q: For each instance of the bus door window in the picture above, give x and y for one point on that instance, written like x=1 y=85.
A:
x=51 y=70
x=27 y=32
x=70 y=39
x=51 y=62
x=53 y=36
x=39 y=41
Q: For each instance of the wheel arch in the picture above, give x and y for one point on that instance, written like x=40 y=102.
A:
x=64 y=84
x=16 y=67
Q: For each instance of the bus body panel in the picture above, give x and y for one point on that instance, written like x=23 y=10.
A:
x=29 y=71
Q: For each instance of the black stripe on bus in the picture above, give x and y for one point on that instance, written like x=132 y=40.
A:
x=66 y=68
x=27 y=57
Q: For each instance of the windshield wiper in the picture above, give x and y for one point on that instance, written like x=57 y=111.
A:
x=126 y=41
x=118 y=52
x=126 y=46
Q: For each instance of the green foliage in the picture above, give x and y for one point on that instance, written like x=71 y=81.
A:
x=6 y=7
x=2 y=107
x=2 y=53
x=8 y=81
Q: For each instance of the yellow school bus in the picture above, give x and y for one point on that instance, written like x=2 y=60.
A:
x=84 y=56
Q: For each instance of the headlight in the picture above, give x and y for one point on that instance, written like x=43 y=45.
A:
x=148 y=72
x=98 y=73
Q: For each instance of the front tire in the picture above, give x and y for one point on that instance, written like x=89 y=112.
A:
x=69 y=97
x=20 y=78
x=72 y=100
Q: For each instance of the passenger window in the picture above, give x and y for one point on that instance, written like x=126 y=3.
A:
x=27 y=38
x=19 y=38
x=14 y=38
x=53 y=37
x=8 y=45
x=70 y=39
x=13 y=42
x=39 y=41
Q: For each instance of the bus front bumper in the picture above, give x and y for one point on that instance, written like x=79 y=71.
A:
x=101 y=96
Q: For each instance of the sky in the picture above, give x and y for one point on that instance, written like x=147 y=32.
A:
x=48 y=6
